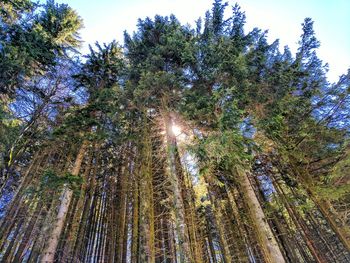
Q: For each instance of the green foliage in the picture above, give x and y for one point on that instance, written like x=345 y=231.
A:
x=51 y=181
x=158 y=53
x=99 y=76
x=335 y=185
x=11 y=11
x=215 y=77
x=30 y=46
x=60 y=24
x=333 y=193
x=341 y=170
x=9 y=130
x=223 y=150
x=102 y=69
x=199 y=107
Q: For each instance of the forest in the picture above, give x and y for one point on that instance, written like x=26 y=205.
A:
x=185 y=144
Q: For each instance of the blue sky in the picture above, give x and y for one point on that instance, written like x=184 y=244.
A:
x=106 y=20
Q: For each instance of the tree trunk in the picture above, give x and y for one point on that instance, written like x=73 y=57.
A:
x=72 y=235
x=241 y=236
x=324 y=206
x=343 y=233
x=50 y=250
x=267 y=241
x=300 y=224
x=178 y=205
x=122 y=211
x=89 y=197
x=28 y=233
x=147 y=237
x=135 y=221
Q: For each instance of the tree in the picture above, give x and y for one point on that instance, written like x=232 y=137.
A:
x=204 y=144
x=31 y=40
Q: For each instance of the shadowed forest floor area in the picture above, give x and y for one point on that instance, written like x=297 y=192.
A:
x=183 y=145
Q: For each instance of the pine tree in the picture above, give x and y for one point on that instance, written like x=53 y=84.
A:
x=204 y=144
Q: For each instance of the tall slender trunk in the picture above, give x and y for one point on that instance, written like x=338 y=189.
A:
x=217 y=215
x=343 y=232
x=215 y=210
x=135 y=220
x=50 y=250
x=189 y=209
x=110 y=251
x=72 y=234
x=180 y=224
x=28 y=233
x=212 y=249
x=146 y=198
x=267 y=241
x=299 y=223
x=241 y=236
x=89 y=197
x=122 y=210
x=126 y=231
x=7 y=256
x=18 y=199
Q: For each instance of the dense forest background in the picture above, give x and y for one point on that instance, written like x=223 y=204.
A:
x=186 y=144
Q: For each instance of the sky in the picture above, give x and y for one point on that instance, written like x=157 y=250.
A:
x=106 y=20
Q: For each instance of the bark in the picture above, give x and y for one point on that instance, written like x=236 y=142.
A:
x=135 y=222
x=7 y=257
x=122 y=213
x=147 y=238
x=189 y=209
x=84 y=218
x=215 y=210
x=211 y=245
x=72 y=234
x=267 y=241
x=221 y=231
x=50 y=250
x=126 y=228
x=299 y=224
x=18 y=199
x=28 y=233
x=110 y=251
x=322 y=237
x=241 y=238
x=180 y=225
x=343 y=232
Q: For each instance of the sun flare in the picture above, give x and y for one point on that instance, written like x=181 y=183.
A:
x=176 y=130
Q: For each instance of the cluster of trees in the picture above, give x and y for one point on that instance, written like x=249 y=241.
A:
x=203 y=144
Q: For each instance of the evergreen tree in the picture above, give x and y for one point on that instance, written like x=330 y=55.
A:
x=204 y=144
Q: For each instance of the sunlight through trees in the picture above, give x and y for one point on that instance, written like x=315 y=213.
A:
x=184 y=145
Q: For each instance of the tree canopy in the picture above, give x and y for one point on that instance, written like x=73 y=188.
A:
x=184 y=144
